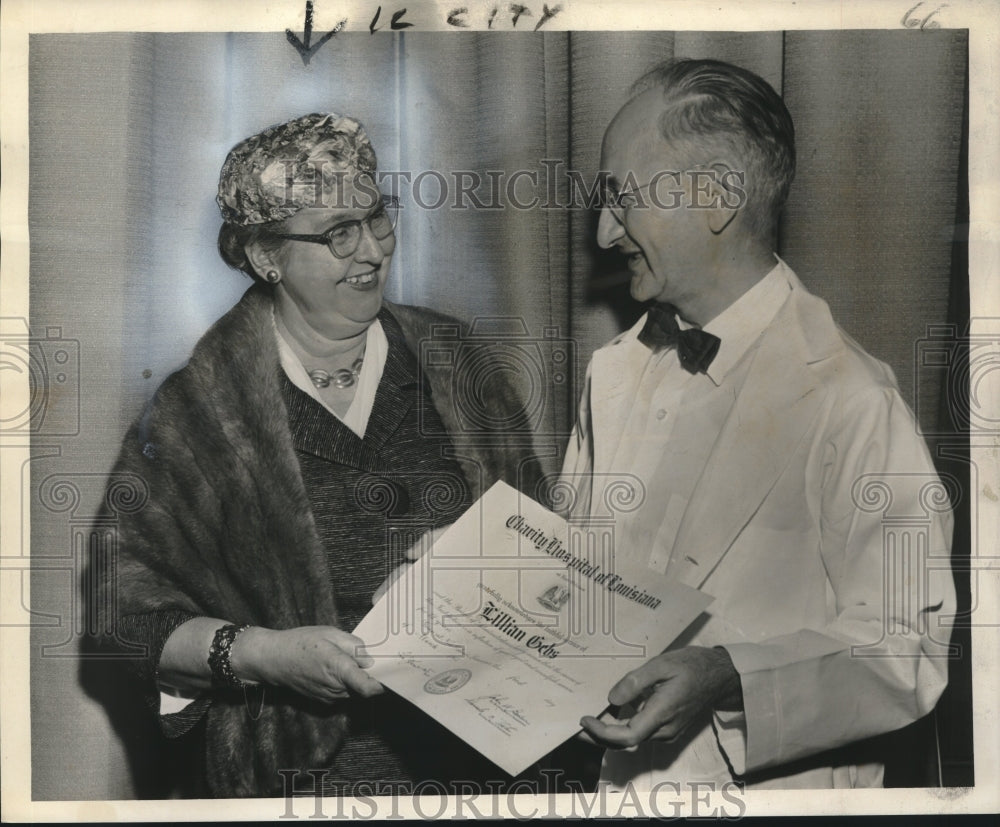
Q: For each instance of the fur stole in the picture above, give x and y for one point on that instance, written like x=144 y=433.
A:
x=227 y=531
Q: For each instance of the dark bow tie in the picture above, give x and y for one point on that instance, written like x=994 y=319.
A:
x=695 y=348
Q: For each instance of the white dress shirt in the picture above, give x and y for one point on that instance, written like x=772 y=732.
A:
x=668 y=391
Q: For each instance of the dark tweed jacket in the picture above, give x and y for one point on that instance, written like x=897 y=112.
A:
x=227 y=530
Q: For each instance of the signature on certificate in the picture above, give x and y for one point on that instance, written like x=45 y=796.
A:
x=497 y=711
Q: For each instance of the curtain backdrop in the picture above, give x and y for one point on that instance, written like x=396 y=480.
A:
x=128 y=132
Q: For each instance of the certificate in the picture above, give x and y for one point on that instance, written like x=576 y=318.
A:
x=516 y=623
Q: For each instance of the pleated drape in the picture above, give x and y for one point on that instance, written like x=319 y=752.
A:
x=871 y=218
x=128 y=132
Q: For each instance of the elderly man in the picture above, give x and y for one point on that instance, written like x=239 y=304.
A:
x=769 y=448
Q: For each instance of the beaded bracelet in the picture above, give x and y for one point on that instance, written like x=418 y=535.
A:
x=219 y=653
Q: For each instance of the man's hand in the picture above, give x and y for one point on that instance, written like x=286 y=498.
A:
x=670 y=692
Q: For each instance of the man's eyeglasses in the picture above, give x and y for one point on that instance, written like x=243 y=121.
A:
x=344 y=238
x=619 y=202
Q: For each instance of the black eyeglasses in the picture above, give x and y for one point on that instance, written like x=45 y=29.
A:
x=344 y=238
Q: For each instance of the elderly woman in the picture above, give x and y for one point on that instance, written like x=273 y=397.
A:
x=301 y=447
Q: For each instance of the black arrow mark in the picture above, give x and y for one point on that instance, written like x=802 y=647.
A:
x=302 y=46
x=547 y=15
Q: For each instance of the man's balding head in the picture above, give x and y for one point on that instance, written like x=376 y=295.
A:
x=708 y=108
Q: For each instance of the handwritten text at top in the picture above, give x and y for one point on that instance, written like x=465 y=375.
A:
x=518 y=16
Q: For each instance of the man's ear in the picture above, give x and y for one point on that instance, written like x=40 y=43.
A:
x=261 y=259
x=727 y=196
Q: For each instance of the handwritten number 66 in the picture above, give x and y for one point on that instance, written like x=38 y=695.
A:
x=912 y=21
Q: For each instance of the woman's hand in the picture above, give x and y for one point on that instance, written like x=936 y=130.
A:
x=320 y=662
x=413 y=553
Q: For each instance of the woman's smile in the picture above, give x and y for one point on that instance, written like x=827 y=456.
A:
x=361 y=281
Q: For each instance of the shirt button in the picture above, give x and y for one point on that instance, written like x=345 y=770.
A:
x=661 y=414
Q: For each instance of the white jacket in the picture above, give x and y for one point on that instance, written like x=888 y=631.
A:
x=823 y=531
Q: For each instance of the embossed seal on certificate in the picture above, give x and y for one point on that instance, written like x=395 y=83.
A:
x=448 y=681
x=554 y=598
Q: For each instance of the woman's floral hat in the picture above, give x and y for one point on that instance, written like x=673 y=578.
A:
x=302 y=163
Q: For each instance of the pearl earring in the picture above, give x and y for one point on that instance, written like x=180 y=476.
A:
x=273 y=276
